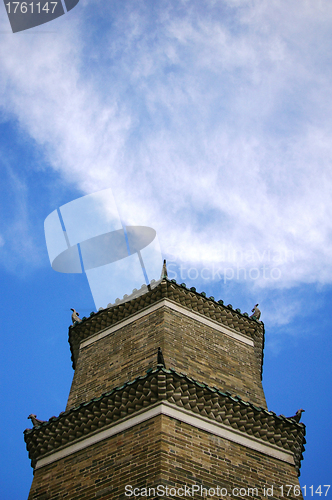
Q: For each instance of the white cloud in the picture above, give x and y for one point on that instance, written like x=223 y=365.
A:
x=210 y=122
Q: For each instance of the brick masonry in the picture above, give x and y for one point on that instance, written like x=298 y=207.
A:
x=188 y=346
x=192 y=456
x=162 y=451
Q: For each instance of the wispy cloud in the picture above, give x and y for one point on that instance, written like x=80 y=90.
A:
x=210 y=121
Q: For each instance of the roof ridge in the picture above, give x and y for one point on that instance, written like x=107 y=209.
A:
x=158 y=369
x=113 y=405
x=145 y=289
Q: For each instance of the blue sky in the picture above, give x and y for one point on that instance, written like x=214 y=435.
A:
x=211 y=122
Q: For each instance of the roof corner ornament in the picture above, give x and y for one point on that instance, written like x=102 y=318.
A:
x=75 y=316
x=35 y=421
x=161 y=361
x=164 y=270
x=256 y=312
x=297 y=416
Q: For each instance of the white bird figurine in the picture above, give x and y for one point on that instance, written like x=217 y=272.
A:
x=75 y=316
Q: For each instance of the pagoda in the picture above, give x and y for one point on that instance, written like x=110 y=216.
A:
x=166 y=402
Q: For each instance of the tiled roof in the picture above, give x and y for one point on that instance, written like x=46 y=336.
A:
x=189 y=298
x=161 y=384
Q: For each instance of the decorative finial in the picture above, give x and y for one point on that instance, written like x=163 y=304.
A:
x=161 y=358
x=36 y=422
x=256 y=311
x=75 y=316
x=164 y=270
x=297 y=416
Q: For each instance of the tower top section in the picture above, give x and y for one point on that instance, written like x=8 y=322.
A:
x=235 y=322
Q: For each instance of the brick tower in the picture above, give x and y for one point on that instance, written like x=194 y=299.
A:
x=190 y=421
